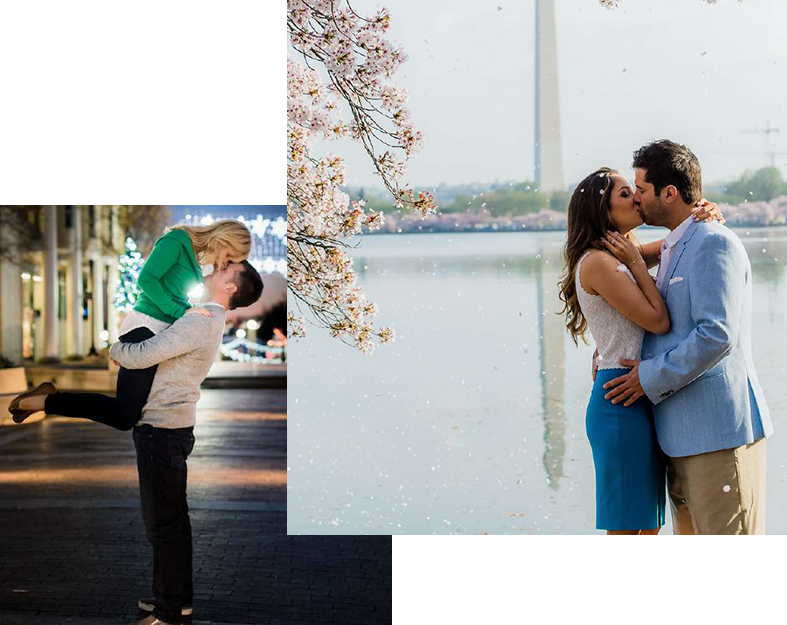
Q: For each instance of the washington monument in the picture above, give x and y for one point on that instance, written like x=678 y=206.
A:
x=549 y=159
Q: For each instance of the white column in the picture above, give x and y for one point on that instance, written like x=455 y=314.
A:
x=112 y=316
x=50 y=284
x=76 y=284
x=98 y=298
x=10 y=306
x=549 y=158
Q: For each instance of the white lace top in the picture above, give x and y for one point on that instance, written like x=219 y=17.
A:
x=616 y=336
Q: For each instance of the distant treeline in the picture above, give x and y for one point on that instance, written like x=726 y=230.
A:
x=509 y=199
x=760 y=185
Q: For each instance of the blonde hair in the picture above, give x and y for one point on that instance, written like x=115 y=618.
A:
x=224 y=234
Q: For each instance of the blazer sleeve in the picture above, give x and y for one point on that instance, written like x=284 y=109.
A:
x=165 y=254
x=187 y=334
x=717 y=283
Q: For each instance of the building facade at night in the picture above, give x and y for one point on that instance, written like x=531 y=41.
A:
x=57 y=295
x=56 y=302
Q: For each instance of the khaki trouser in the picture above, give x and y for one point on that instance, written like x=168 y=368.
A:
x=721 y=492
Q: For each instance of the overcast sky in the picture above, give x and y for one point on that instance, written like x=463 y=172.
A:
x=696 y=73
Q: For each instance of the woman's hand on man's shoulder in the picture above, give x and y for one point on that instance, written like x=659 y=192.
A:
x=199 y=311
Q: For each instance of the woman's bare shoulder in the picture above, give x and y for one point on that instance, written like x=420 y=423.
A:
x=597 y=266
x=600 y=261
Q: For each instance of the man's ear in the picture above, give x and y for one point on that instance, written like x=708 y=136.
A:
x=670 y=193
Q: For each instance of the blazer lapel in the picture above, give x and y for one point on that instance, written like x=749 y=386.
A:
x=677 y=253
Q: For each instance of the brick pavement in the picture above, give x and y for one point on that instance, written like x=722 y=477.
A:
x=72 y=543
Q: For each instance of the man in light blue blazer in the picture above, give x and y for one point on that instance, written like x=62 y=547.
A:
x=709 y=410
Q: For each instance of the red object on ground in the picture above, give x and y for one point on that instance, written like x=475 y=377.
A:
x=624 y=539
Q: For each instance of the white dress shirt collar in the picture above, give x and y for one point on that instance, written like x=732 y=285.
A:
x=673 y=237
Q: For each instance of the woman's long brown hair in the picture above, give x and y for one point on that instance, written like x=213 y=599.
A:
x=588 y=221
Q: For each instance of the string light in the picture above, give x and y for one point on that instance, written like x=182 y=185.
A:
x=230 y=351
x=268 y=251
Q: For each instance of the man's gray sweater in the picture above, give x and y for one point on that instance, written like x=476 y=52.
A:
x=184 y=353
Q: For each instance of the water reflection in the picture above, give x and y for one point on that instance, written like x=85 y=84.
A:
x=473 y=420
x=551 y=333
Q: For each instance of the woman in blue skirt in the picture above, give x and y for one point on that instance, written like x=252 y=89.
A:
x=608 y=291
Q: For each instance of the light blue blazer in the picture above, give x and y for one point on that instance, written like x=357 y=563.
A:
x=700 y=375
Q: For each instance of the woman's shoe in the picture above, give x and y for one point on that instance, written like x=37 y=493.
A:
x=19 y=415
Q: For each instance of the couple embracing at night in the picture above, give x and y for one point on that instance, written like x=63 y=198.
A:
x=165 y=351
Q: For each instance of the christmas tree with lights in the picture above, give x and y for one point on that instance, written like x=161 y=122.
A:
x=129 y=266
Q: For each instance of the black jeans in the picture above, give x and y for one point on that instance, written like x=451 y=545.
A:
x=161 y=462
x=120 y=412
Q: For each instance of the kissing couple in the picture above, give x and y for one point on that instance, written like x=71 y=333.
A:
x=676 y=402
x=166 y=349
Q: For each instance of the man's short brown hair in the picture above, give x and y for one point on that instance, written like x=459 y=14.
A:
x=249 y=283
x=668 y=163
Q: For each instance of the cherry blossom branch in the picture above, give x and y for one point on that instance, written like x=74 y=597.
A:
x=354 y=60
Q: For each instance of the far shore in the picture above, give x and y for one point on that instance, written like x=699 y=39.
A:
x=510 y=230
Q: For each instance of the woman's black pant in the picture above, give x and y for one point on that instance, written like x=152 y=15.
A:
x=121 y=411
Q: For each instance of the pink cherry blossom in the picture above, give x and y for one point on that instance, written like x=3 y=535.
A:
x=344 y=71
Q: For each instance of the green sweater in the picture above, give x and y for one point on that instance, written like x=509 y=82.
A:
x=169 y=273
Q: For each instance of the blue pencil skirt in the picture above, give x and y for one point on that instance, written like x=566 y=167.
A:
x=630 y=466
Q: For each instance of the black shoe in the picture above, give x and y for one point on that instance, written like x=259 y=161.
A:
x=148 y=604
x=19 y=415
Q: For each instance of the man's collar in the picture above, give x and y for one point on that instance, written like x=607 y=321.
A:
x=214 y=304
x=673 y=237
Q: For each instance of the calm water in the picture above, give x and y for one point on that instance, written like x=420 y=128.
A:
x=473 y=420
